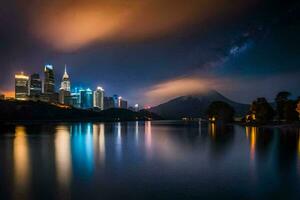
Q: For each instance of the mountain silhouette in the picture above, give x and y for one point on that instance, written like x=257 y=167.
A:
x=195 y=105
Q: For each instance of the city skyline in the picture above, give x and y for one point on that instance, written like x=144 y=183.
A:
x=244 y=50
x=32 y=87
x=58 y=81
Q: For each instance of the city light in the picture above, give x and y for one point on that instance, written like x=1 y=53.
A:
x=30 y=88
x=100 y=88
x=49 y=67
x=21 y=76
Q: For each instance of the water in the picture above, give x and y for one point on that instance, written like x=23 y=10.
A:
x=148 y=160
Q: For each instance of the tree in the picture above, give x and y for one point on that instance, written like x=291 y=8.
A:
x=220 y=111
x=261 y=111
x=290 y=111
x=281 y=99
x=298 y=107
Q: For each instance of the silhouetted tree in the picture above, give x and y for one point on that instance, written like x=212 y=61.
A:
x=298 y=107
x=220 y=111
x=261 y=111
x=290 y=111
x=281 y=99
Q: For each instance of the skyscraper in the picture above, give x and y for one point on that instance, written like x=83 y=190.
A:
x=99 y=98
x=116 y=100
x=86 y=98
x=49 y=84
x=123 y=103
x=74 y=99
x=108 y=102
x=21 y=86
x=35 y=88
x=64 y=91
x=64 y=96
x=65 y=84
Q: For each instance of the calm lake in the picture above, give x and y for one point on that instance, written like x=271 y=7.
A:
x=148 y=160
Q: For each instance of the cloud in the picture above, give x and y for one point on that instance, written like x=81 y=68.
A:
x=68 y=25
x=236 y=87
x=169 y=89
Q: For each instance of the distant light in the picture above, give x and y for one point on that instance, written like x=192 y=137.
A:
x=21 y=76
x=48 y=66
x=89 y=90
x=120 y=98
x=136 y=105
x=100 y=88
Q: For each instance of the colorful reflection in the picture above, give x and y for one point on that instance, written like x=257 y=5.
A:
x=119 y=141
x=212 y=130
x=21 y=162
x=99 y=142
x=63 y=157
x=102 y=142
x=136 y=132
x=251 y=134
x=148 y=136
x=83 y=148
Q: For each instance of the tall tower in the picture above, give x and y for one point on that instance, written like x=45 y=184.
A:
x=65 y=84
x=86 y=98
x=35 y=85
x=21 y=86
x=65 y=88
x=116 y=100
x=49 y=84
x=99 y=98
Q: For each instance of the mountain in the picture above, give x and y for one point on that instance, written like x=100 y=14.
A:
x=195 y=105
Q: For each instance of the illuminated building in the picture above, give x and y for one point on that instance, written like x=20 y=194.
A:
x=49 y=84
x=109 y=102
x=122 y=103
x=99 y=98
x=65 y=84
x=119 y=102
x=136 y=107
x=35 y=85
x=74 y=99
x=116 y=101
x=86 y=98
x=21 y=87
x=64 y=96
x=64 y=91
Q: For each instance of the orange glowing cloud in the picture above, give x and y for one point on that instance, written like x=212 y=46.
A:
x=68 y=25
x=183 y=86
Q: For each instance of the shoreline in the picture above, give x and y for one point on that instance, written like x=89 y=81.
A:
x=14 y=122
x=41 y=121
x=271 y=125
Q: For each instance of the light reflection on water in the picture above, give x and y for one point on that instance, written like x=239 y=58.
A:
x=63 y=157
x=21 y=162
x=168 y=159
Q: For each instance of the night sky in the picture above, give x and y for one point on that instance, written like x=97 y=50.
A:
x=152 y=50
